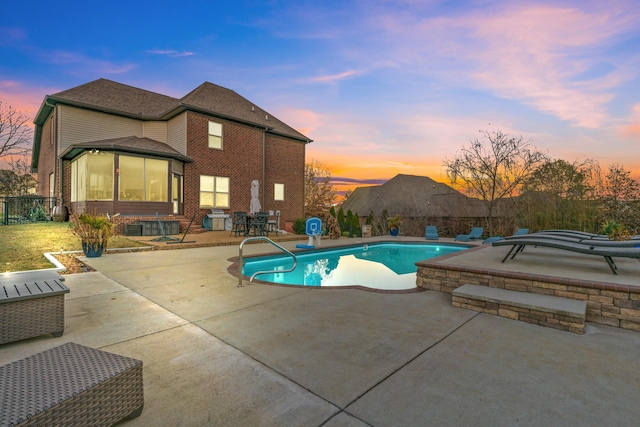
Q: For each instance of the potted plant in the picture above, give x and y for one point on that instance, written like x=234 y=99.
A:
x=394 y=223
x=94 y=232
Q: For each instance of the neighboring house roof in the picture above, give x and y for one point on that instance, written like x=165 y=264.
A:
x=116 y=98
x=413 y=196
x=129 y=144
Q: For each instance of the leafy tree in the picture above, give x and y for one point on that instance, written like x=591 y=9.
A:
x=559 y=194
x=494 y=169
x=319 y=194
x=620 y=200
x=15 y=133
x=340 y=217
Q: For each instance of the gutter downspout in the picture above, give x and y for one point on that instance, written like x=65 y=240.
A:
x=264 y=161
x=54 y=130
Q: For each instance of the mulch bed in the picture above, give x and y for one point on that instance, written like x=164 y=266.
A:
x=73 y=264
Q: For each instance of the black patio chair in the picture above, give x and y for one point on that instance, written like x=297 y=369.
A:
x=239 y=224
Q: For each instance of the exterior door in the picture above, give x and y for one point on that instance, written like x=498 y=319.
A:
x=176 y=193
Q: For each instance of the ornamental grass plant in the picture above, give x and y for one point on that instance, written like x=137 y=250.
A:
x=92 y=229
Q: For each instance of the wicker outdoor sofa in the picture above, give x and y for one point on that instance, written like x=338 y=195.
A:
x=70 y=385
x=31 y=304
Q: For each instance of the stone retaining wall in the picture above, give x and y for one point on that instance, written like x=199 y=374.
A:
x=607 y=303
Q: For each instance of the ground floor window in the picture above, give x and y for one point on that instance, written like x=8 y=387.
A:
x=278 y=191
x=143 y=179
x=92 y=177
x=140 y=178
x=51 y=185
x=214 y=192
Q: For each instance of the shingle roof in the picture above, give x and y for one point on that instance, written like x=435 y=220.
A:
x=117 y=98
x=110 y=96
x=413 y=196
x=227 y=103
x=129 y=144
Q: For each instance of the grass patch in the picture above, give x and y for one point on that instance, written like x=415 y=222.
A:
x=23 y=246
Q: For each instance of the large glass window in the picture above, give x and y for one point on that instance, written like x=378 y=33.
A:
x=100 y=176
x=92 y=177
x=215 y=135
x=144 y=179
x=214 y=192
x=156 y=180
x=131 y=178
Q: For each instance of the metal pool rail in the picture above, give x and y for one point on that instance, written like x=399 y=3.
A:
x=249 y=239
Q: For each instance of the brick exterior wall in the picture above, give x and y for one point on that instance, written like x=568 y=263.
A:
x=607 y=304
x=241 y=160
x=47 y=160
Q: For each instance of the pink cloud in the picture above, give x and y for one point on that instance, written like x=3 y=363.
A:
x=632 y=129
x=24 y=99
x=539 y=55
x=11 y=35
x=83 y=64
x=332 y=78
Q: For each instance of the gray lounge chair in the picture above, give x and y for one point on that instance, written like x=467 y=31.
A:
x=431 y=233
x=608 y=252
x=582 y=235
x=588 y=242
x=475 y=234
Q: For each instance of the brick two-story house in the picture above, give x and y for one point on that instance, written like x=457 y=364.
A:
x=120 y=149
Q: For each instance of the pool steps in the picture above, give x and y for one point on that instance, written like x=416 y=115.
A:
x=544 y=310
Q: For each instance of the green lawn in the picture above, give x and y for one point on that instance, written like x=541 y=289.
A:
x=22 y=246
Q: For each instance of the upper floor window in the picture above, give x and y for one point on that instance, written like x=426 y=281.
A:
x=215 y=135
x=214 y=191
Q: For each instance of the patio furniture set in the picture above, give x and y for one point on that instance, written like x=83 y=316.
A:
x=70 y=385
x=257 y=224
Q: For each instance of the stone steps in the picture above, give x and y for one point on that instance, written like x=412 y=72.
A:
x=544 y=310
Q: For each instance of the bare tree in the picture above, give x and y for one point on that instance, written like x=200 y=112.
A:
x=319 y=194
x=15 y=132
x=493 y=170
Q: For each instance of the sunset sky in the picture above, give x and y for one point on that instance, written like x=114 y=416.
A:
x=382 y=87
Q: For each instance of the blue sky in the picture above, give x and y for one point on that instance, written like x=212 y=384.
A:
x=382 y=87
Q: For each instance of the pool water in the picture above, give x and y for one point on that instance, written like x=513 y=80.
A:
x=389 y=266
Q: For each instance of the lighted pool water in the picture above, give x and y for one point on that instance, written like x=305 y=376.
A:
x=389 y=266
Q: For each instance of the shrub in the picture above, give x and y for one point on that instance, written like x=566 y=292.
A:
x=299 y=226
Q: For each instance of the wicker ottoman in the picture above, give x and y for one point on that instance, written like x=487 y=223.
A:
x=31 y=305
x=70 y=385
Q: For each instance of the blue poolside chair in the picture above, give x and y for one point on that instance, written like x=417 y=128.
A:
x=475 y=234
x=521 y=231
x=492 y=239
x=431 y=233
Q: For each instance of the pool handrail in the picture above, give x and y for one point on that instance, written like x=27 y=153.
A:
x=240 y=260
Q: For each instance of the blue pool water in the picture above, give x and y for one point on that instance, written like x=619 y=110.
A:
x=388 y=266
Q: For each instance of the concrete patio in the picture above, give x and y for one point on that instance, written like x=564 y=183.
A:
x=262 y=355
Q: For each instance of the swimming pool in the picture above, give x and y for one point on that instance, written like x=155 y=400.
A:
x=389 y=266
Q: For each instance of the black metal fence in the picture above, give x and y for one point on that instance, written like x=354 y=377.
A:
x=26 y=209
